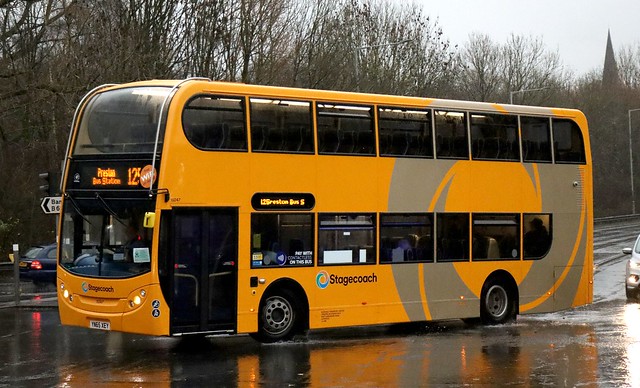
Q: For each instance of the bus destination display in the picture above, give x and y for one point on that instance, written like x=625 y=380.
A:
x=283 y=201
x=113 y=176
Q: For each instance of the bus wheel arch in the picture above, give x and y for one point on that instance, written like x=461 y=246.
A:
x=499 y=299
x=283 y=312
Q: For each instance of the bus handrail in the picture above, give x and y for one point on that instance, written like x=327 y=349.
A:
x=73 y=123
x=195 y=281
x=160 y=114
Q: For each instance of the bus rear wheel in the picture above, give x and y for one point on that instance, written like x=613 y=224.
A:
x=278 y=317
x=497 y=305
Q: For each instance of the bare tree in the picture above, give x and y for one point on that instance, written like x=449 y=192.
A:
x=629 y=66
x=373 y=46
x=529 y=66
x=321 y=51
x=29 y=41
x=206 y=34
x=480 y=69
x=120 y=40
x=409 y=55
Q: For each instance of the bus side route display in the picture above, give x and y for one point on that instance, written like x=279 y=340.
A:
x=283 y=201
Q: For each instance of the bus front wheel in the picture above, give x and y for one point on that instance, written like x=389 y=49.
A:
x=278 y=317
x=497 y=304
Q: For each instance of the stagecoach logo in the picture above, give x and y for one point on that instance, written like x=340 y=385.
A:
x=86 y=287
x=323 y=279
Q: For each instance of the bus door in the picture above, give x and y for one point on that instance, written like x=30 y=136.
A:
x=205 y=261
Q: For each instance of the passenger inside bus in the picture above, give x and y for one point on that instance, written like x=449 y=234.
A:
x=536 y=240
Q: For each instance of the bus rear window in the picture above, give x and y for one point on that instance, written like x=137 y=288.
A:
x=121 y=121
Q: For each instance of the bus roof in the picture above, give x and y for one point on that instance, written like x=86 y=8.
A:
x=357 y=98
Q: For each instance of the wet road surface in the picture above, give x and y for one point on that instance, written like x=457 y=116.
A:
x=596 y=345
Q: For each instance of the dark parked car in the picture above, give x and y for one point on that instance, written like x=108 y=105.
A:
x=39 y=264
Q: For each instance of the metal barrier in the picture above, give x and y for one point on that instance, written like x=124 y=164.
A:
x=614 y=219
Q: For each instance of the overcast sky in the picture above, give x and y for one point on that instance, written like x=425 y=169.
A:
x=577 y=29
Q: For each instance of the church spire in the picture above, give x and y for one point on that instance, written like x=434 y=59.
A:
x=610 y=75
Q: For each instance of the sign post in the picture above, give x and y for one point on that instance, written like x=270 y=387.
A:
x=16 y=273
x=51 y=205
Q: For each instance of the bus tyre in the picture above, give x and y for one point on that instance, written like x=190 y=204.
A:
x=278 y=317
x=497 y=304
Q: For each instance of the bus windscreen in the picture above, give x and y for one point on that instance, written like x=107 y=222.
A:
x=121 y=121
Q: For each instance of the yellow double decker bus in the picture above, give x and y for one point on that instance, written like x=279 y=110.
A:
x=200 y=207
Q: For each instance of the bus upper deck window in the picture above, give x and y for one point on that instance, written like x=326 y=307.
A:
x=122 y=121
x=215 y=123
x=345 y=129
x=568 y=145
x=451 y=134
x=536 y=139
x=281 y=126
x=494 y=136
x=405 y=132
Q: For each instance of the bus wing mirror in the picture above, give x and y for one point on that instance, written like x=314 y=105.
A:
x=149 y=220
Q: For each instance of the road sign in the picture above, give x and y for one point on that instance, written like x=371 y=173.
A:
x=51 y=205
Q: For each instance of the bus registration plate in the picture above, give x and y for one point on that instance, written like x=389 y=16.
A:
x=100 y=325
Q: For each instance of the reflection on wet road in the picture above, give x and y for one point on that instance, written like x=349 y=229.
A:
x=593 y=345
